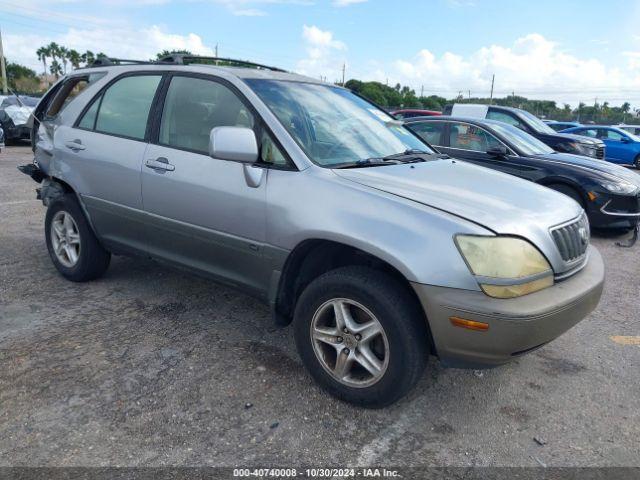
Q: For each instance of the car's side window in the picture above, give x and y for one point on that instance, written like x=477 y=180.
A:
x=610 y=135
x=591 y=132
x=69 y=90
x=431 y=132
x=193 y=107
x=504 y=118
x=270 y=152
x=123 y=108
x=470 y=137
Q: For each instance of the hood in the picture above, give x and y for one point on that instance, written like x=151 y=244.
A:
x=570 y=137
x=18 y=114
x=607 y=169
x=500 y=202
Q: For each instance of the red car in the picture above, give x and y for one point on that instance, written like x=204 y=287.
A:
x=411 y=112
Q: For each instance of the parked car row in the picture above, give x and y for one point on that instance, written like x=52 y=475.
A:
x=610 y=194
x=378 y=248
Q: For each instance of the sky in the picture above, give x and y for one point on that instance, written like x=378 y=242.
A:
x=570 y=51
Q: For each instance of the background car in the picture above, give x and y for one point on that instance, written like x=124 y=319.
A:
x=565 y=143
x=610 y=194
x=410 y=113
x=559 y=126
x=622 y=147
x=14 y=115
x=635 y=129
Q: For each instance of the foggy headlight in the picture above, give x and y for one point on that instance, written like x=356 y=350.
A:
x=505 y=267
x=584 y=149
x=620 y=187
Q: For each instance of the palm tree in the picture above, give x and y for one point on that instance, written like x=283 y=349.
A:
x=74 y=58
x=88 y=57
x=56 y=68
x=64 y=56
x=43 y=53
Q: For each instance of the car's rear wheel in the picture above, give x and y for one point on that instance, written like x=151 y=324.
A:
x=636 y=163
x=361 y=335
x=73 y=248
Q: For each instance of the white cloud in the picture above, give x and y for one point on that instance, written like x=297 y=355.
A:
x=325 y=54
x=121 y=42
x=250 y=8
x=532 y=66
x=346 y=3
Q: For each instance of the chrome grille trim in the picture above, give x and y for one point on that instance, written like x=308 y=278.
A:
x=572 y=238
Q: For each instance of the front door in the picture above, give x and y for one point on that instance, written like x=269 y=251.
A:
x=203 y=212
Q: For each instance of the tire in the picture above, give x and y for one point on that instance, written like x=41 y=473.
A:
x=369 y=296
x=636 y=163
x=568 y=191
x=91 y=260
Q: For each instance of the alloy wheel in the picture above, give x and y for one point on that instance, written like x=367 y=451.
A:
x=349 y=342
x=65 y=239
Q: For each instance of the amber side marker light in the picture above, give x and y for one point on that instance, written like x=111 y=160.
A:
x=592 y=196
x=469 y=324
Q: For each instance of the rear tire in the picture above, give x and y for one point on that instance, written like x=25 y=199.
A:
x=73 y=248
x=636 y=163
x=568 y=191
x=379 y=368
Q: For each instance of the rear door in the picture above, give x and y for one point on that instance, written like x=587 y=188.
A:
x=102 y=156
x=202 y=212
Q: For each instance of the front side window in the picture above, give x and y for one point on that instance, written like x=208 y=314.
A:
x=332 y=125
x=193 y=107
x=535 y=123
x=527 y=144
x=470 y=137
x=505 y=118
x=610 y=135
x=431 y=132
x=590 y=132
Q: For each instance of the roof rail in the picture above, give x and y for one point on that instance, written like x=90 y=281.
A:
x=110 y=61
x=185 y=59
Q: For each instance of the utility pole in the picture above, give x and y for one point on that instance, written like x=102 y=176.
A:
x=469 y=95
x=344 y=68
x=493 y=79
x=422 y=91
x=3 y=69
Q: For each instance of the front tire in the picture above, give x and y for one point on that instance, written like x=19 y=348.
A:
x=73 y=248
x=361 y=335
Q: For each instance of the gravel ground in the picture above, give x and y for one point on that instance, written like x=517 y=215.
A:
x=150 y=366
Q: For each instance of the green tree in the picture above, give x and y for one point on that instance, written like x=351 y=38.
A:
x=43 y=53
x=74 y=58
x=166 y=53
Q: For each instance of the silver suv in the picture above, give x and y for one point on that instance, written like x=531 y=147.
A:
x=379 y=250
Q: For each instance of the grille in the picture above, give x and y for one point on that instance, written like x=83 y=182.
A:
x=572 y=239
x=600 y=152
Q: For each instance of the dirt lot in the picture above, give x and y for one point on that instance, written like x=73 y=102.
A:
x=150 y=366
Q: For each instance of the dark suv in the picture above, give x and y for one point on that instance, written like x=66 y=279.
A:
x=560 y=142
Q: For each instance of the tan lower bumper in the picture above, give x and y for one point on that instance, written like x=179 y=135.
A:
x=516 y=326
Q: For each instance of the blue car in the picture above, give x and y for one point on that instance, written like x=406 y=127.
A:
x=560 y=126
x=622 y=147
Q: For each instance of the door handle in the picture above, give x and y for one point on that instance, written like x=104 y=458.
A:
x=75 y=145
x=160 y=164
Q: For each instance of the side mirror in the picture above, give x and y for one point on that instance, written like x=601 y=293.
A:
x=238 y=144
x=498 y=151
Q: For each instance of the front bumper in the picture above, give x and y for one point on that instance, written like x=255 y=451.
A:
x=516 y=326
x=615 y=211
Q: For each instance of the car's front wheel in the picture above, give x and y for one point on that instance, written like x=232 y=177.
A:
x=361 y=335
x=73 y=247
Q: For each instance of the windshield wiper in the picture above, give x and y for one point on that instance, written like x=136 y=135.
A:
x=408 y=156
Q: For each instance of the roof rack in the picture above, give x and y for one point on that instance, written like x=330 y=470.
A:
x=185 y=59
x=110 y=61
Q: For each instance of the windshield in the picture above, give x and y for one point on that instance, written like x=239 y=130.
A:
x=332 y=125
x=527 y=144
x=537 y=124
